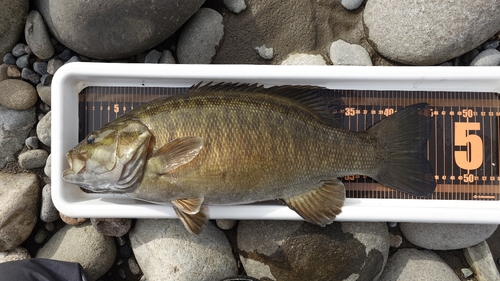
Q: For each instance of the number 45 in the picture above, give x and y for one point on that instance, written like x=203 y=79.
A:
x=472 y=157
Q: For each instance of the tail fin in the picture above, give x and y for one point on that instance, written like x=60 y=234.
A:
x=404 y=135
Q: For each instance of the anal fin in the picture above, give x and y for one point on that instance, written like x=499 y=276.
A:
x=194 y=223
x=321 y=205
x=188 y=206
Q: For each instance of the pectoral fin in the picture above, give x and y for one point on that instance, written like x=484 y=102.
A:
x=188 y=206
x=321 y=205
x=194 y=223
x=175 y=153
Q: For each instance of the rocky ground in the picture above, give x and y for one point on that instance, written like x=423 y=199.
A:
x=38 y=37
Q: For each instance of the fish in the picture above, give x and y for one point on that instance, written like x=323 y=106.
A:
x=233 y=143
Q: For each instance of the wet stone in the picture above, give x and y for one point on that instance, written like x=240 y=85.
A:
x=9 y=58
x=40 y=67
x=33 y=159
x=19 y=50
x=23 y=61
x=30 y=75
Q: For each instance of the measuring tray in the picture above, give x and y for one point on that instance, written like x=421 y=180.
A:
x=463 y=148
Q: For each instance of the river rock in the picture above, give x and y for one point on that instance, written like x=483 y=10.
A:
x=429 y=32
x=112 y=226
x=481 y=260
x=45 y=93
x=343 y=53
x=12 y=16
x=15 y=126
x=115 y=29
x=17 y=94
x=43 y=129
x=72 y=221
x=16 y=254
x=412 y=264
x=37 y=36
x=304 y=59
x=446 y=236
x=19 y=196
x=296 y=250
x=488 y=57
x=351 y=4
x=48 y=211
x=33 y=159
x=167 y=57
x=4 y=68
x=165 y=250
x=82 y=244
x=200 y=37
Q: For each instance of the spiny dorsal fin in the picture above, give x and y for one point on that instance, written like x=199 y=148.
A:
x=318 y=100
x=319 y=206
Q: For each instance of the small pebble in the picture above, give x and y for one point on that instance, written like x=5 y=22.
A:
x=265 y=52
x=19 y=50
x=469 y=56
x=235 y=6
x=392 y=224
x=466 y=272
x=53 y=65
x=121 y=240
x=343 y=53
x=44 y=92
x=9 y=58
x=491 y=44
x=121 y=273
x=489 y=57
x=13 y=71
x=72 y=221
x=3 y=71
x=30 y=75
x=73 y=59
x=23 y=61
x=119 y=262
x=46 y=79
x=152 y=57
x=226 y=224
x=17 y=94
x=167 y=57
x=134 y=267
x=65 y=55
x=41 y=235
x=33 y=159
x=351 y=4
x=40 y=67
x=50 y=226
x=125 y=251
x=43 y=129
x=18 y=253
x=48 y=211
x=112 y=226
x=44 y=109
x=304 y=59
x=31 y=142
x=48 y=166
x=37 y=36
x=27 y=50
x=395 y=240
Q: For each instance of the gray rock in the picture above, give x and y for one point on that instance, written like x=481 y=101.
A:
x=125 y=28
x=40 y=235
x=23 y=61
x=152 y=57
x=82 y=244
x=44 y=93
x=235 y=6
x=469 y=56
x=446 y=236
x=16 y=254
x=167 y=57
x=43 y=129
x=343 y=53
x=264 y=52
x=73 y=59
x=295 y=250
x=488 y=57
x=48 y=166
x=19 y=196
x=50 y=226
x=200 y=37
x=19 y=50
x=46 y=79
x=3 y=71
x=53 y=65
x=304 y=59
x=226 y=224
x=427 y=32
x=15 y=126
x=31 y=143
x=112 y=226
x=134 y=267
x=166 y=251
x=65 y=55
x=9 y=59
x=480 y=259
x=412 y=264
x=12 y=16
x=351 y=4
x=37 y=36
x=30 y=75
x=491 y=44
x=466 y=273
x=33 y=159
x=48 y=211
x=40 y=67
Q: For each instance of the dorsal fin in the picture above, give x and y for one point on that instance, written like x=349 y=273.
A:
x=318 y=100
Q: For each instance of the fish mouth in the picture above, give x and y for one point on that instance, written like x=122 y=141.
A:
x=76 y=162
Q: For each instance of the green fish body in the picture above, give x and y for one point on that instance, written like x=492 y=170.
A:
x=236 y=143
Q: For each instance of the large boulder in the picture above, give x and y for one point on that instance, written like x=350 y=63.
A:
x=12 y=17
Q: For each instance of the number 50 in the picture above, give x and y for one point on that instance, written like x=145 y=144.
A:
x=472 y=157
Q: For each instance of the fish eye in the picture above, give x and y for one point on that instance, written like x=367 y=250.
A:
x=90 y=139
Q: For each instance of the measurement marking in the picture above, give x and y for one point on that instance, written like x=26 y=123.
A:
x=484 y=196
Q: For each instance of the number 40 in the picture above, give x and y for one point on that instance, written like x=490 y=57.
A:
x=472 y=157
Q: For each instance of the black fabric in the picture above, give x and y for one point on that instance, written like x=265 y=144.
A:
x=41 y=270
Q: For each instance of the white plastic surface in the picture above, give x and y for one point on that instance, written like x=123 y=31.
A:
x=72 y=78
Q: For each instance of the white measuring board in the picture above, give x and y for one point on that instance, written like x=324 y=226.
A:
x=463 y=148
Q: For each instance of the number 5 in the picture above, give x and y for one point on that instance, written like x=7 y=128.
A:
x=472 y=157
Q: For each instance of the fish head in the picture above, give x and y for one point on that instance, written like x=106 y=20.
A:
x=110 y=159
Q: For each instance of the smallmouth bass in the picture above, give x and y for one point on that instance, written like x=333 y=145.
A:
x=237 y=143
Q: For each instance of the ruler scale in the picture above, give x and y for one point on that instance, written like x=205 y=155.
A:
x=463 y=147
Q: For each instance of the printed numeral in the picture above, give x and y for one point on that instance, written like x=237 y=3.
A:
x=472 y=157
